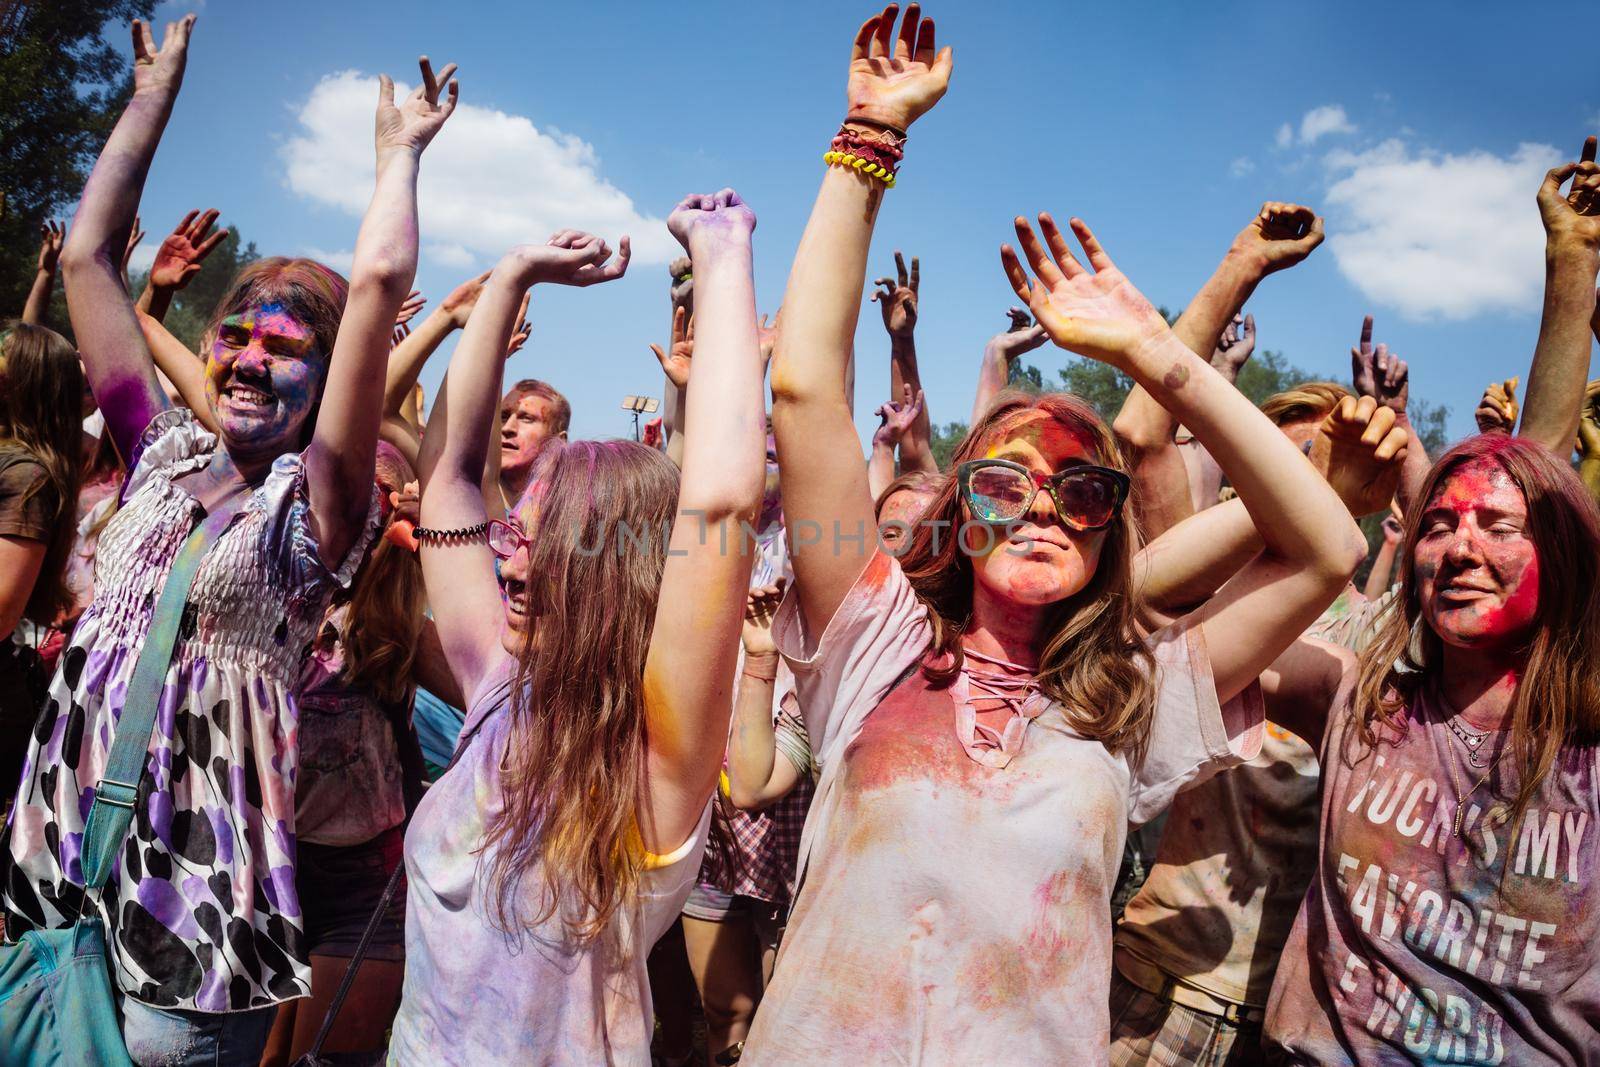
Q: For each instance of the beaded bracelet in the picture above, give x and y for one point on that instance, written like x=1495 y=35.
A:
x=466 y=533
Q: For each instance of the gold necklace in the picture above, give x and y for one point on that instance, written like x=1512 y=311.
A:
x=1461 y=798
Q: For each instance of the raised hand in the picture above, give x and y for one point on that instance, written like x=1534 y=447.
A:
x=1360 y=450
x=523 y=330
x=1096 y=313
x=895 y=79
x=722 y=218
x=1378 y=373
x=420 y=116
x=1235 y=346
x=652 y=433
x=51 y=235
x=760 y=607
x=768 y=335
x=572 y=257
x=160 y=71
x=1280 y=236
x=184 y=249
x=676 y=360
x=409 y=307
x=682 y=274
x=898 y=297
x=1023 y=335
x=1497 y=411
x=460 y=301
x=134 y=237
x=1589 y=423
x=897 y=418
x=1574 y=217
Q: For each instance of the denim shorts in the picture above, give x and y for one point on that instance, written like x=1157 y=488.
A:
x=166 y=1036
x=339 y=889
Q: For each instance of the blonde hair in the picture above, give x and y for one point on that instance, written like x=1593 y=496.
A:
x=1309 y=400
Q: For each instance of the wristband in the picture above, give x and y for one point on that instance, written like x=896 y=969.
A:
x=465 y=533
x=759 y=660
x=876 y=154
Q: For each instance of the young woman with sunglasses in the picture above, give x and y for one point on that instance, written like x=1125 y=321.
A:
x=986 y=715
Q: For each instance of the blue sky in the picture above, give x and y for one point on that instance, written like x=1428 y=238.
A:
x=1421 y=133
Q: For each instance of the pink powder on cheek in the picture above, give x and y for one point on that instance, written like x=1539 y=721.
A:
x=1521 y=606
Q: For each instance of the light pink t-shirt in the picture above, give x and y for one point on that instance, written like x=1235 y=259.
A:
x=951 y=911
x=1416 y=946
x=475 y=996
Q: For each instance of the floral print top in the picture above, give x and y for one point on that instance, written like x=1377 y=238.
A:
x=200 y=908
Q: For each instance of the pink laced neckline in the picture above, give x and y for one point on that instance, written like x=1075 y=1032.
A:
x=1011 y=686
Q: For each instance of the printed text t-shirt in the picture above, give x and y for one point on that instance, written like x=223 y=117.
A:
x=1414 y=945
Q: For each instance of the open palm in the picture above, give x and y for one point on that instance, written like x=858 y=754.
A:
x=1098 y=314
x=896 y=79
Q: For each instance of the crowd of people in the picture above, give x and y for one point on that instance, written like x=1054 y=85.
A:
x=472 y=743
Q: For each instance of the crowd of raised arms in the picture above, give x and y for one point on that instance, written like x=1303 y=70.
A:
x=330 y=733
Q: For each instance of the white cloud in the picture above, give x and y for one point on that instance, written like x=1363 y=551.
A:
x=1241 y=166
x=1285 y=135
x=1323 y=121
x=1437 y=235
x=339 y=261
x=489 y=181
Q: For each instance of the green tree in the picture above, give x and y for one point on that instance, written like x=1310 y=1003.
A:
x=192 y=307
x=64 y=78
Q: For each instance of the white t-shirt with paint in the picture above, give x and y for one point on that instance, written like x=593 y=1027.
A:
x=952 y=911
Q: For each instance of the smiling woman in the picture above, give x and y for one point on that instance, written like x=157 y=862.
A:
x=205 y=931
x=1458 y=769
x=267 y=355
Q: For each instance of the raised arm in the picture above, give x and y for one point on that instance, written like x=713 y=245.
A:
x=1278 y=237
x=1357 y=449
x=898 y=420
x=1382 y=573
x=676 y=363
x=892 y=82
x=115 y=358
x=1002 y=351
x=757 y=778
x=680 y=347
x=1572 y=250
x=1589 y=439
x=1497 y=410
x=459 y=571
x=178 y=260
x=51 y=236
x=182 y=367
x=688 y=673
x=1311 y=544
x=1384 y=376
x=897 y=298
x=339 y=461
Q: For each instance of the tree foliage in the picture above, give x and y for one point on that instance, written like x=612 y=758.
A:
x=64 y=78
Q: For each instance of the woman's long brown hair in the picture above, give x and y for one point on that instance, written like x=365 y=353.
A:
x=386 y=603
x=573 y=769
x=1093 y=661
x=41 y=409
x=1557 y=702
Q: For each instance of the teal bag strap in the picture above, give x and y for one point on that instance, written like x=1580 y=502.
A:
x=112 y=811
